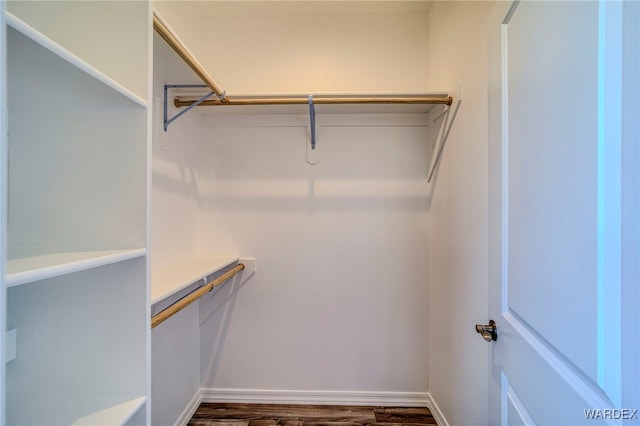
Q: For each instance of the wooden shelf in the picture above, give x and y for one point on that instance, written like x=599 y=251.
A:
x=29 y=269
x=169 y=282
x=79 y=410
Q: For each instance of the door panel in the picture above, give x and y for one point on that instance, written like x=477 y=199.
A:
x=550 y=155
x=556 y=208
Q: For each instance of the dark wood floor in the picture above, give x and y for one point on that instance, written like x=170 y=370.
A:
x=307 y=415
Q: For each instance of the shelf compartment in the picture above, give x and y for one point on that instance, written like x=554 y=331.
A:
x=77 y=157
x=35 y=268
x=171 y=283
x=44 y=30
x=78 y=410
x=81 y=334
x=18 y=26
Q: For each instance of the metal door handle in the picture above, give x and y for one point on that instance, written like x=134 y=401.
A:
x=489 y=331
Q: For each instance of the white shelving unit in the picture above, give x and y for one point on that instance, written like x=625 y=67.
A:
x=76 y=280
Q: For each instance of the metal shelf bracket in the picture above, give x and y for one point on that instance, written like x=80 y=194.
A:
x=449 y=113
x=165 y=117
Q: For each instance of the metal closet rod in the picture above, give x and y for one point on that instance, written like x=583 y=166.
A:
x=319 y=100
x=165 y=314
x=178 y=46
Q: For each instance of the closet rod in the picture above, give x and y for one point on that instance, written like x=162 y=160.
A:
x=319 y=100
x=162 y=316
x=176 y=44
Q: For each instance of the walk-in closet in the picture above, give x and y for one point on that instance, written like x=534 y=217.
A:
x=121 y=204
x=309 y=203
x=315 y=177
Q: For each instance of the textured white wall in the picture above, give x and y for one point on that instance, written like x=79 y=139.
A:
x=306 y=46
x=176 y=193
x=458 y=281
x=339 y=299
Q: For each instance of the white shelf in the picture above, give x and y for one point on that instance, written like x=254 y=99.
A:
x=320 y=109
x=29 y=269
x=77 y=410
x=167 y=281
x=63 y=53
x=114 y=415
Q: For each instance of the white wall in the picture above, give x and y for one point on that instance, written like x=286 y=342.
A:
x=176 y=195
x=339 y=300
x=458 y=282
x=259 y=47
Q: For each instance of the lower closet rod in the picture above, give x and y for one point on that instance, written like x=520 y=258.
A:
x=164 y=315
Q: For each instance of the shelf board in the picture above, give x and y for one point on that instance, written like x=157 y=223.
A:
x=77 y=410
x=117 y=414
x=168 y=281
x=35 y=268
x=319 y=109
x=44 y=41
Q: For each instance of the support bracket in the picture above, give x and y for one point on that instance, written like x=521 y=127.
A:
x=165 y=118
x=449 y=113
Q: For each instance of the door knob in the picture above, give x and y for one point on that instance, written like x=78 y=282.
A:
x=489 y=331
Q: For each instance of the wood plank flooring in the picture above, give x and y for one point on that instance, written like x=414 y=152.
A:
x=307 y=415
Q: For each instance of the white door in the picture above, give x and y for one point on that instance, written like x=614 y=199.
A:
x=564 y=188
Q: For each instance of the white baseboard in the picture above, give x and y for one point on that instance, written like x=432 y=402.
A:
x=189 y=410
x=436 y=412
x=267 y=396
